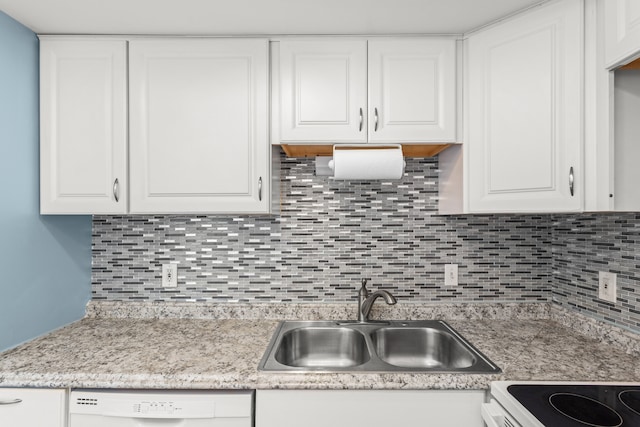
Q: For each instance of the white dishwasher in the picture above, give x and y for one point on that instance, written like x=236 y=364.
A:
x=142 y=408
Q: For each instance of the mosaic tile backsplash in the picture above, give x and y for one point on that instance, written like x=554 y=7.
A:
x=330 y=234
x=587 y=243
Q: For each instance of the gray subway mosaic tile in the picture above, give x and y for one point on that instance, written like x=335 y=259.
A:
x=328 y=235
x=585 y=244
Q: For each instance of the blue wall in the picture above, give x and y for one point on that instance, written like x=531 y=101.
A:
x=45 y=261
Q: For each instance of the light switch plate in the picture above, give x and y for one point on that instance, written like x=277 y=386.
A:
x=607 y=286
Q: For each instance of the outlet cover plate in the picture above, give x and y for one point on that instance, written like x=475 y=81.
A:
x=607 y=289
x=169 y=275
x=451 y=274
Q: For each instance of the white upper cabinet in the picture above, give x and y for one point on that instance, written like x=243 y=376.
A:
x=412 y=86
x=382 y=90
x=524 y=112
x=199 y=126
x=323 y=90
x=622 y=22
x=612 y=109
x=83 y=126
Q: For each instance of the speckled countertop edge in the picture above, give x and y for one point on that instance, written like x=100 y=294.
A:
x=314 y=311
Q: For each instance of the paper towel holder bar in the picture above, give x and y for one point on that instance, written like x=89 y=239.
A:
x=322 y=166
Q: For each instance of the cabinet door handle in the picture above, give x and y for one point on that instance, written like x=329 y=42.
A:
x=116 y=190
x=361 y=118
x=10 y=402
x=571 y=180
x=375 y=110
x=260 y=189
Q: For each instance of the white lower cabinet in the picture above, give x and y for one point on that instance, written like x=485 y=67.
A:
x=26 y=407
x=371 y=408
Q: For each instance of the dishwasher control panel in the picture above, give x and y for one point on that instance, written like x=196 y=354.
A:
x=88 y=406
x=156 y=407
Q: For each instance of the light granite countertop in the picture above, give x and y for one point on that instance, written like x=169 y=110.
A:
x=194 y=353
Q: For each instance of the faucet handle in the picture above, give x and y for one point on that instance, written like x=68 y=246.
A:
x=364 y=282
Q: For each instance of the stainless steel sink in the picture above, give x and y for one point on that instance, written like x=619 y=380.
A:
x=322 y=347
x=394 y=346
x=421 y=347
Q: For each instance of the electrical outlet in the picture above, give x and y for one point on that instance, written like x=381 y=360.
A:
x=607 y=286
x=451 y=274
x=169 y=275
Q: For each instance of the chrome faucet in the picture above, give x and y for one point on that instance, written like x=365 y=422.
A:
x=366 y=300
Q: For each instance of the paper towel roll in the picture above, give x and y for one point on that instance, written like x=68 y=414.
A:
x=367 y=163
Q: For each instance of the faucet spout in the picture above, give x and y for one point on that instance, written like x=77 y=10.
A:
x=367 y=304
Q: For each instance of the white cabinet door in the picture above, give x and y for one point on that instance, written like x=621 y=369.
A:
x=198 y=130
x=21 y=407
x=622 y=33
x=412 y=90
x=384 y=90
x=524 y=106
x=83 y=126
x=323 y=90
x=626 y=110
x=348 y=408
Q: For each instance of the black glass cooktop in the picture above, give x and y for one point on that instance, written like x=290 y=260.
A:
x=580 y=405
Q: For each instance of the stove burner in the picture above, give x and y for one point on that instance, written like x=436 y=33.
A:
x=631 y=399
x=585 y=410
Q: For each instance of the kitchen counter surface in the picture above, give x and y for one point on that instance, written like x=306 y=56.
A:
x=224 y=354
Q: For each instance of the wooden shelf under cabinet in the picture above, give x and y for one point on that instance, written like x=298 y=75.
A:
x=408 y=150
x=633 y=65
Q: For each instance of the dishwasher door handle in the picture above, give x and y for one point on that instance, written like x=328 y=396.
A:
x=165 y=418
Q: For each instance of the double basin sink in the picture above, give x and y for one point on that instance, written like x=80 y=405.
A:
x=394 y=346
